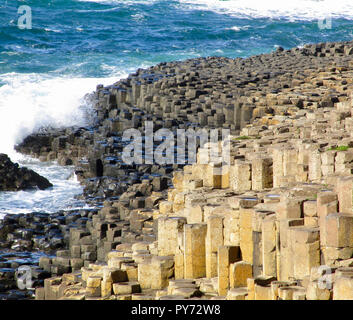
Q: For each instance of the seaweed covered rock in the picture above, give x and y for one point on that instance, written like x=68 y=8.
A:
x=13 y=178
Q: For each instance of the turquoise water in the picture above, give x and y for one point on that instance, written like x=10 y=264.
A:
x=104 y=38
x=75 y=44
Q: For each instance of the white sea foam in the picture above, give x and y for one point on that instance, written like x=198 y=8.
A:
x=31 y=101
x=125 y=2
x=27 y=103
x=59 y=197
x=237 y=29
x=291 y=10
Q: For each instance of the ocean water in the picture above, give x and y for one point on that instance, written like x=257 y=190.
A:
x=74 y=45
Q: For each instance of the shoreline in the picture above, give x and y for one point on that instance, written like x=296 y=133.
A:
x=250 y=97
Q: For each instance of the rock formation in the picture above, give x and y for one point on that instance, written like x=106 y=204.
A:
x=274 y=224
x=13 y=178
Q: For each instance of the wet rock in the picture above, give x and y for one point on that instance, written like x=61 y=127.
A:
x=13 y=178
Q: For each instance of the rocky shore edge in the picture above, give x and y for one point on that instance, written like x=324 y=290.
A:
x=183 y=231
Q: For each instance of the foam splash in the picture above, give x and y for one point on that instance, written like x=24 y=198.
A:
x=125 y=2
x=29 y=102
x=237 y=29
x=291 y=10
x=59 y=197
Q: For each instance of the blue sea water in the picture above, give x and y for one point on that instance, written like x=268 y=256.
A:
x=75 y=44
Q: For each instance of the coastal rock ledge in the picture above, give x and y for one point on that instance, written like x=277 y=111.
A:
x=14 y=178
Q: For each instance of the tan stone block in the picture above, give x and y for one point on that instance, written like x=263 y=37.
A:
x=302 y=173
x=194 y=199
x=113 y=274
x=131 y=271
x=214 y=239
x=194 y=184
x=126 y=288
x=168 y=228
x=343 y=157
x=328 y=157
x=305 y=256
x=93 y=292
x=116 y=262
x=179 y=256
x=285 y=293
x=344 y=272
x=258 y=217
x=278 y=170
x=165 y=207
x=315 y=292
x=237 y=294
x=178 y=178
x=195 y=251
x=144 y=275
x=106 y=288
x=330 y=254
x=285 y=264
x=240 y=176
x=171 y=194
x=262 y=174
x=231 y=228
x=327 y=170
x=94 y=281
x=195 y=214
x=310 y=208
x=212 y=177
x=269 y=265
x=225 y=180
x=179 y=265
x=326 y=204
x=315 y=166
x=179 y=201
x=239 y=272
x=325 y=210
x=246 y=245
x=342 y=169
x=262 y=292
x=275 y=285
x=290 y=156
x=137 y=246
x=226 y=256
x=289 y=207
x=343 y=288
x=345 y=194
x=162 y=270
x=245 y=217
x=155 y=274
x=251 y=288
x=303 y=154
x=234 y=202
x=283 y=228
x=312 y=222
x=299 y=294
x=304 y=234
x=339 y=230
x=325 y=197
x=198 y=171
x=246 y=240
x=345 y=263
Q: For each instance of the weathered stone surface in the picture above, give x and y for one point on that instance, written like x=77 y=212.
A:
x=12 y=177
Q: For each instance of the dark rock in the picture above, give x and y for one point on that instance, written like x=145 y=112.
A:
x=13 y=178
